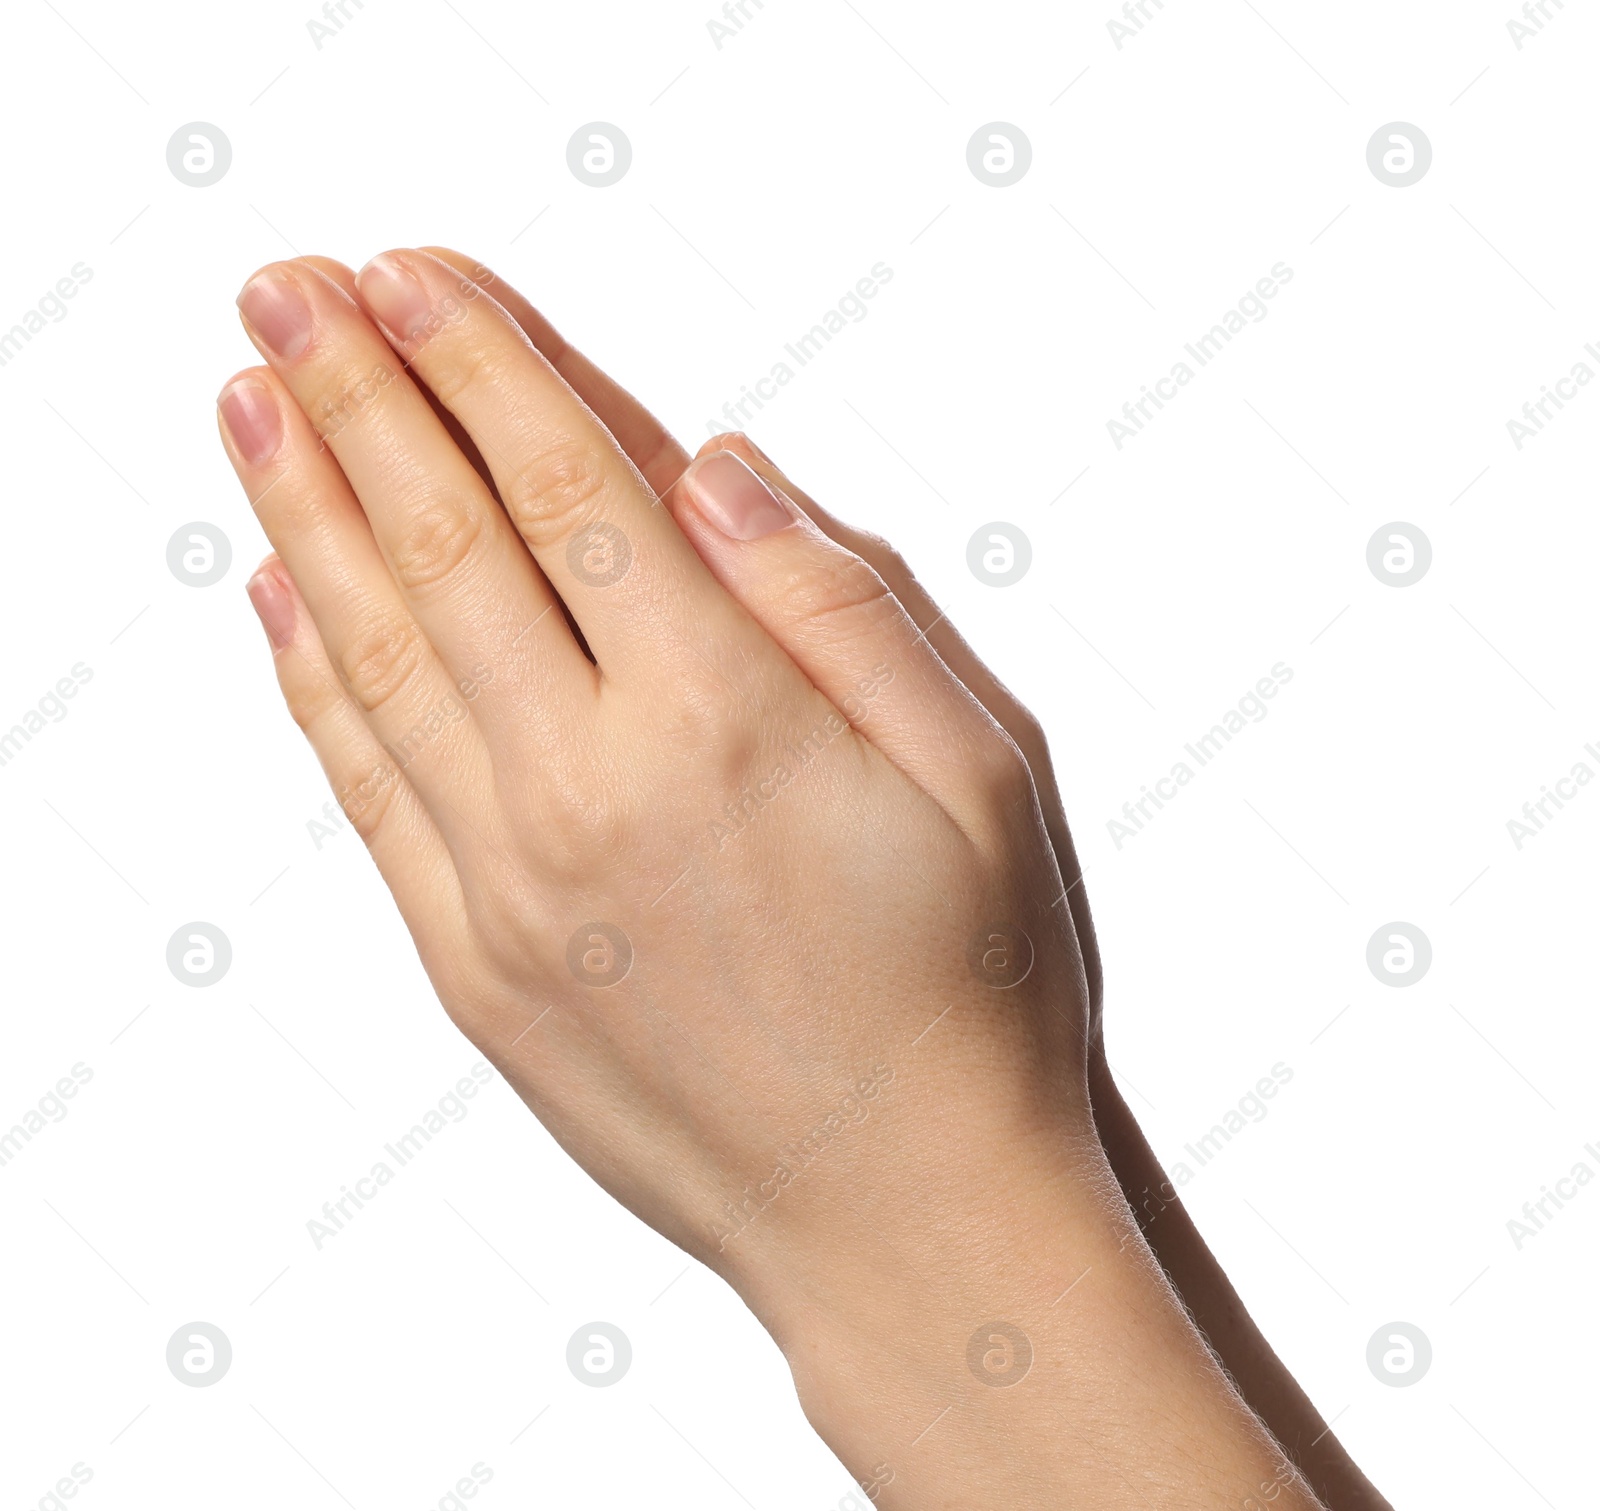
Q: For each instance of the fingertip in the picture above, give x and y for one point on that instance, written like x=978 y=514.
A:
x=249 y=416
x=266 y=270
x=392 y=288
x=732 y=497
x=273 y=597
x=244 y=375
x=738 y=443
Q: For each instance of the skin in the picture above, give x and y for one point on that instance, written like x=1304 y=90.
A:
x=760 y=895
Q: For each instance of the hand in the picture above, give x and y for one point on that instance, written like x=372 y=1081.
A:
x=547 y=821
x=728 y=872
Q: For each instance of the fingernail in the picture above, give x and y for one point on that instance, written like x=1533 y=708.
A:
x=759 y=452
x=273 y=603
x=395 y=296
x=279 y=312
x=254 y=424
x=735 y=499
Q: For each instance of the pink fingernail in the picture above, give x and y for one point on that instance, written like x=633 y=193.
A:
x=396 y=297
x=279 y=312
x=254 y=424
x=735 y=499
x=273 y=602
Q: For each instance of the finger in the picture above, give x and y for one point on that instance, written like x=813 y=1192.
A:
x=840 y=624
x=647 y=442
x=889 y=565
x=373 y=795
x=629 y=579
x=460 y=569
x=954 y=651
x=345 y=276
x=384 y=661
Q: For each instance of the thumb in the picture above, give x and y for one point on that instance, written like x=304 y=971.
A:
x=839 y=623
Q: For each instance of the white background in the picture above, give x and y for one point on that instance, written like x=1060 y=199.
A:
x=768 y=176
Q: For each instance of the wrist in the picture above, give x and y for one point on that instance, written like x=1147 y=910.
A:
x=1015 y=1343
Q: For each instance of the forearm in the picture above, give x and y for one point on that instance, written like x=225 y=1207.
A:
x=1263 y=1381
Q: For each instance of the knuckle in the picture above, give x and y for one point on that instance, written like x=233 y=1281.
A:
x=842 y=594
x=1004 y=772
x=444 y=347
x=505 y=924
x=591 y=832
x=309 y=701
x=1025 y=729
x=378 y=663
x=435 y=544
x=556 y=490
x=707 y=725
x=369 y=803
x=350 y=391
x=874 y=548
